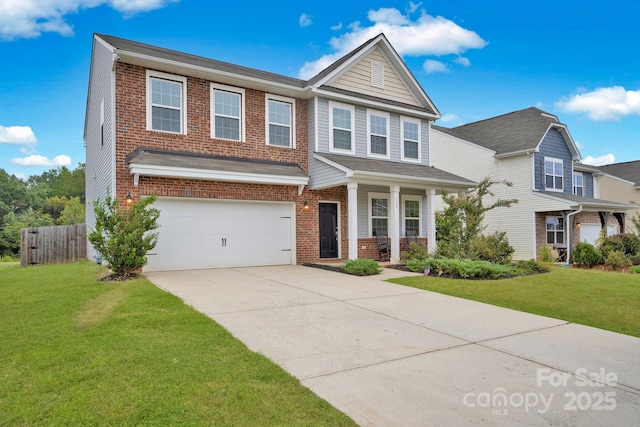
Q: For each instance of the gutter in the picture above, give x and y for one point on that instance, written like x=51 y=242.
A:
x=569 y=227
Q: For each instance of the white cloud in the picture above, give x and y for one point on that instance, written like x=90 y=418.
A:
x=337 y=27
x=38 y=160
x=17 y=135
x=605 y=159
x=603 y=104
x=432 y=66
x=461 y=60
x=305 y=20
x=448 y=118
x=426 y=36
x=31 y=18
x=413 y=7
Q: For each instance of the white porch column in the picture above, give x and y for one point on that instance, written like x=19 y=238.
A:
x=431 y=220
x=352 y=209
x=394 y=223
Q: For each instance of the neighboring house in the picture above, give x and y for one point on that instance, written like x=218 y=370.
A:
x=254 y=168
x=621 y=182
x=558 y=199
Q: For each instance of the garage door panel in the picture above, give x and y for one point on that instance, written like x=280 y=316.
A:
x=209 y=234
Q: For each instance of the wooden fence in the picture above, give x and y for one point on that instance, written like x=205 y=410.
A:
x=52 y=245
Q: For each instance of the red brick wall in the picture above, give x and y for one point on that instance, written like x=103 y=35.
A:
x=131 y=133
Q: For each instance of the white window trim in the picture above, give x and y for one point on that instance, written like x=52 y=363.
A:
x=238 y=91
x=372 y=196
x=279 y=98
x=417 y=198
x=388 y=117
x=544 y=174
x=404 y=119
x=183 y=116
x=352 y=109
x=576 y=186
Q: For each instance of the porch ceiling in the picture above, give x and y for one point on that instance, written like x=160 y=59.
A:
x=363 y=170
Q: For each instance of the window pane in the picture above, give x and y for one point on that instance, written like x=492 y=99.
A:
x=342 y=139
x=227 y=104
x=412 y=225
x=579 y=191
x=378 y=144
x=280 y=113
x=341 y=118
x=379 y=226
x=227 y=128
x=411 y=131
x=279 y=135
x=379 y=207
x=559 y=223
x=551 y=237
x=411 y=209
x=560 y=237
x=558 y=181
x=410 y=149
x=165 y=119
x=548 y=168
x=558 y=168
x=548 y=183
x=164 y=92
x=378 y=125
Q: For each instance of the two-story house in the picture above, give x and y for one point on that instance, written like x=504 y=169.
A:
x=255 y=168
x=621 y=182
x=558 y=199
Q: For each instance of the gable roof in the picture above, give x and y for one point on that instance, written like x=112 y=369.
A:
x=513 y=133
x=629 y=171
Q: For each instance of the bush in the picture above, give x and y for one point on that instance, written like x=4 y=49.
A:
x=465 y=269
x=493 y=248
x=617 y=260
x=545 y=253
x=635 y=269
x=628 y=244
x=529 y=267
x=7 y=258
x=415 y=251
x=635 y=259
x=586 y=254
x=361 y=267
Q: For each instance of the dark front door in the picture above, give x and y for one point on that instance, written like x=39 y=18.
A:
x=328 y=230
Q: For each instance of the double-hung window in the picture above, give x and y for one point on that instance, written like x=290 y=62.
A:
x=553 y=174
x=227 y=112
x=341 y=138
x=166 y=102
x=555 y=230
x=378 y=134
x=578 y=184
x=410 y=129
x=379 y=214
x=280 y=121
x=411 y=207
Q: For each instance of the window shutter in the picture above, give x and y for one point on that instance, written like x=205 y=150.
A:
x=377 y=74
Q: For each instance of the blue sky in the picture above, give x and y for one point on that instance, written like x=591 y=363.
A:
x=579 y=60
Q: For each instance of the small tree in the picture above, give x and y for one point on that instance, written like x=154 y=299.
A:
x=123 y=234
x=461 y=221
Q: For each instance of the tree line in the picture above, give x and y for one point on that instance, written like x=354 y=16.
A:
x=56 y=197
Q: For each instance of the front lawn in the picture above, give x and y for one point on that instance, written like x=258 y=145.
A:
x=605 y=300
x=76 y=351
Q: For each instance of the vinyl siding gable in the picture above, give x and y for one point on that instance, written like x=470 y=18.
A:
x=554 y=146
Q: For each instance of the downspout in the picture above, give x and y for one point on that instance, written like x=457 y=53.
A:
x=569 y=227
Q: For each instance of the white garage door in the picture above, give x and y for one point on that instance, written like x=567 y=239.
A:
x=590 y=233
x=196 y=234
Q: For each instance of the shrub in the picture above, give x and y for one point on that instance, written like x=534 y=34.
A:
x=464 y=269
x=415 y=251
x=493 y=248
x=617 y=260
x=629 y=244
x=635 y=269
x=7 y=258
x=586 y=254
x=545 y=253
x=361 y=267
x=635 y=259
x=530 y=266
x=122 y=235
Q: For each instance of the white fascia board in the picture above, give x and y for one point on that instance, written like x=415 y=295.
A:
x=215 y=175
x=355 y=58
x=527 y=151
x=210 y=73
x=374 y=104
x=573 y=148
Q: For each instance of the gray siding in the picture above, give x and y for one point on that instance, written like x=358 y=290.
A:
x=425 y=134
x=554 y=146
x=588 y=184
x=321 y=175
x=100 y=148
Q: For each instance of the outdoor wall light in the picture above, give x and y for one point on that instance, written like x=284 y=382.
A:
x=129 y=198
x=306 y=205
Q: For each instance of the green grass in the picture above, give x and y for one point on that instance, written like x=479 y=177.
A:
x=605 y=300
x=76 y=351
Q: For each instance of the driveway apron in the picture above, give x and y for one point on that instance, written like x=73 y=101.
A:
x=389 y=355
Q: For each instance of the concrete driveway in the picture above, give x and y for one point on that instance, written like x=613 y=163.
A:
x=389 y=355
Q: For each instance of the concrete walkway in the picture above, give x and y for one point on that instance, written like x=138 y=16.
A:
x=389 y=355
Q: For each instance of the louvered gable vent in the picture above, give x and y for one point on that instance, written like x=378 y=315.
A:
x=377 y=74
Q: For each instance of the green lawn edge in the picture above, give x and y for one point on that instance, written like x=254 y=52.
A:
x=78 y=351
x=605 y=300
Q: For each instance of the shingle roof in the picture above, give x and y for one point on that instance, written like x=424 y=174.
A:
x=509 y=133
x=629 y=171
x=408 y=170
x=377 y=99
x=149 y=156
x=158 y=52
x=586 y=202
